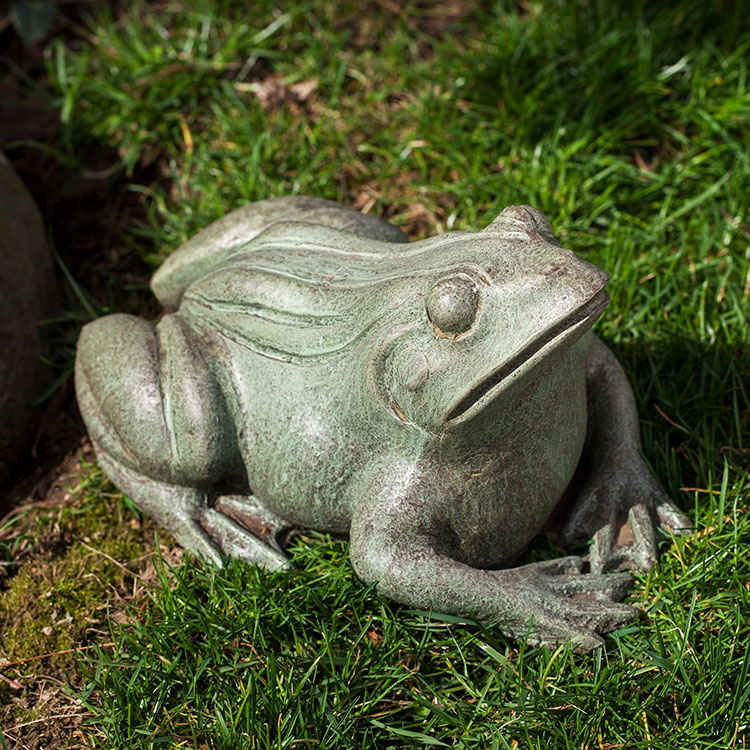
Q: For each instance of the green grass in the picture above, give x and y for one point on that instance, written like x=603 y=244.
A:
x=250 y=659
x=626 y=123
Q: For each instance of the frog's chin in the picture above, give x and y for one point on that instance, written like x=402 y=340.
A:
x=563 y=333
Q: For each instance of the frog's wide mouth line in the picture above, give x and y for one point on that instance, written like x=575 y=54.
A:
x=550 y=339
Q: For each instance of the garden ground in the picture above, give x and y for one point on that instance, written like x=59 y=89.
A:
x=626 y=123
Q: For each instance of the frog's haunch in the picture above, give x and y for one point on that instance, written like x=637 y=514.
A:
x=170 y=422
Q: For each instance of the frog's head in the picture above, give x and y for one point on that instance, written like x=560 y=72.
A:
x=492 y=309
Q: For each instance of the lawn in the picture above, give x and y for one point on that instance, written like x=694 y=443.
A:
x=626 y=123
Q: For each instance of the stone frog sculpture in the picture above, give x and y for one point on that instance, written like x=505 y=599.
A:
x=438 y=401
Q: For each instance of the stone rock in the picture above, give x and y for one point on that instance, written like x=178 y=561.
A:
x=27 y=295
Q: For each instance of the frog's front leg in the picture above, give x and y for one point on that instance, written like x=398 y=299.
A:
x=400 y=539
x=619 y=502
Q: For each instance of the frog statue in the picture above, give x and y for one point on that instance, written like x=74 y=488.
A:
x=440 y=402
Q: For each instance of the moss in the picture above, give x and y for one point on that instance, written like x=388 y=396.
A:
x=69 y=564
x=31 y=619
x=86 y=551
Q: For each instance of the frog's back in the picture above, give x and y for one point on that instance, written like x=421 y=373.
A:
x=221 y=239
x=297 y=294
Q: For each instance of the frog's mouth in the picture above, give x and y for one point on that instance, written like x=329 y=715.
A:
x=566 y=330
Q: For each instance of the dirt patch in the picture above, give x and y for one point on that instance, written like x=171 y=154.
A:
x=72 y=563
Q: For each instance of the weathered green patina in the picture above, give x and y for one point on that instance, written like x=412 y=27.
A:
x=440 y=402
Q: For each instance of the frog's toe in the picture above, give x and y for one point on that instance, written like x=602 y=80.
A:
x=566 y=575
x=235 y=541
x=557 y=566
x=627 y=543
x=586 y=642
x=600 y=616
x=644 y=551
x=587 y=608
x=551 y=629
x=611 y=587
x=604 y=555
x=193 y=538
x=672 y=519
x=578 y=621
x=569 y=605
x=250 y=514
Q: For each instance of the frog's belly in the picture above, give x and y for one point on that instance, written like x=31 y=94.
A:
x=297 y=455
x=506 y=493
x=301 y=473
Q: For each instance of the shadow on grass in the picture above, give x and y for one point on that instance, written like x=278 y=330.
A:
x=694 y=403
x=87 y=209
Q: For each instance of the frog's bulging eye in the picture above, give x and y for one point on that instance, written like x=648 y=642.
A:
x=452 y=305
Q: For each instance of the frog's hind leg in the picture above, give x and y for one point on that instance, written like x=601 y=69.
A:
x=133 y=383
x=247 y=530
x=251 y=514
x=158 y=423
x=177 y=509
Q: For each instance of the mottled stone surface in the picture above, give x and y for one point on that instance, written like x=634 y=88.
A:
x=27 y=295
x=439 y=402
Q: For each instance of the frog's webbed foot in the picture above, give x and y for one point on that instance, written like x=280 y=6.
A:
x=622 y=509
x=176 y=508
x=244 y=529
x=558 y=603
x=549 y=602
x=209 y=533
